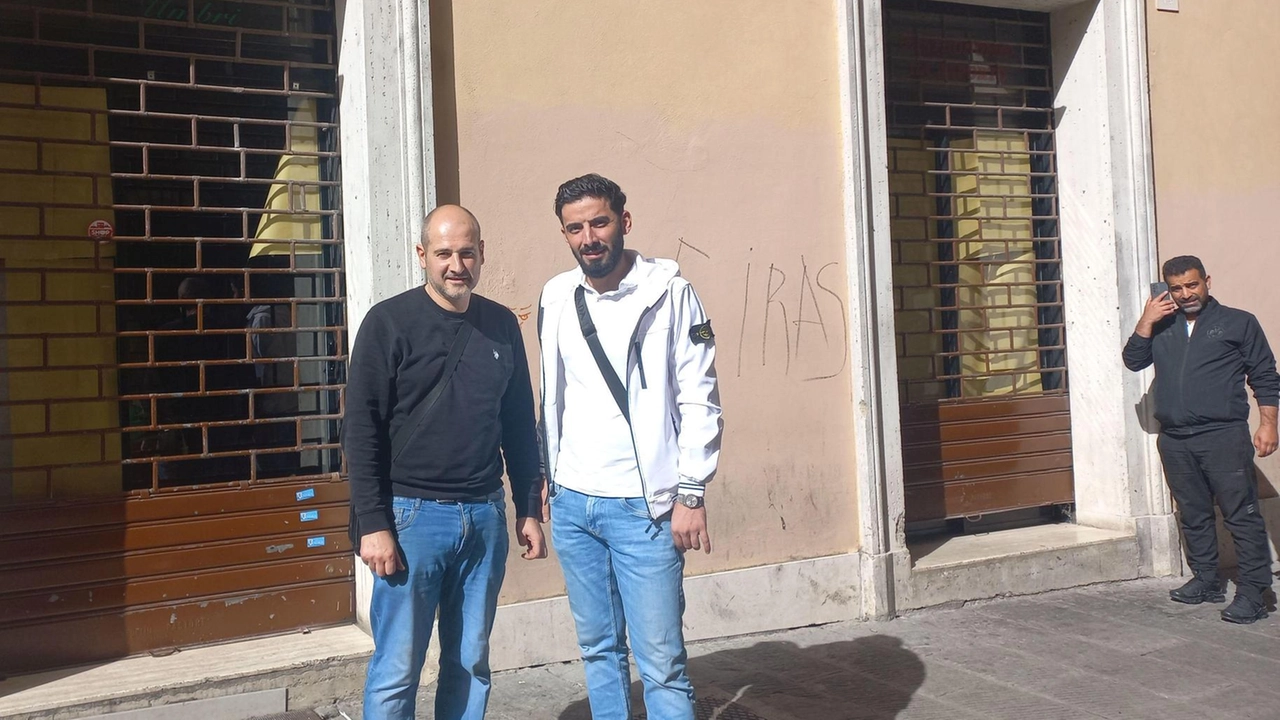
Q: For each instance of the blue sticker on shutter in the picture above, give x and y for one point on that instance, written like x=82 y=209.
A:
x=306 y=494
x=315 y=541
x=309 y=515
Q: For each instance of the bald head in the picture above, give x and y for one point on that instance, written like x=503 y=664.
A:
x=449 y=220
x=451 y=254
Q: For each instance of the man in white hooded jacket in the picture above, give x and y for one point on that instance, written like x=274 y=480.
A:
x=631 y=435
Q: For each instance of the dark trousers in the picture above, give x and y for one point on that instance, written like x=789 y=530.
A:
x=1218 y=464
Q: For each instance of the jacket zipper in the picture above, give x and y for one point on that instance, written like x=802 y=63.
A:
x=640 y=366
x=1182 y=374
x=635 y=447
x=1182 y=370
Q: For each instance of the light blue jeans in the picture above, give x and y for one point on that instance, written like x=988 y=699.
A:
x=456 y=555
x=622 y=570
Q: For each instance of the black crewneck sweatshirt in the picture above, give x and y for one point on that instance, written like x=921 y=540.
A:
x=485 y=414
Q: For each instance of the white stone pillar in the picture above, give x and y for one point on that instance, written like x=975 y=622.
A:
x=388 y=160
x=877 y=439
x=1109 y=257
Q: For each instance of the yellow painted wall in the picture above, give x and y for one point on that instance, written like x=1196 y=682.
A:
x=721 y=121
x=1214 y=101
x=56 y=157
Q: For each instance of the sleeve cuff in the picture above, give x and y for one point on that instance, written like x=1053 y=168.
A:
x=373 y=522
x=528 y=503
x=688 y=487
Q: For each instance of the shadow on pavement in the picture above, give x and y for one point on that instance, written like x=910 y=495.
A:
x=870 y=678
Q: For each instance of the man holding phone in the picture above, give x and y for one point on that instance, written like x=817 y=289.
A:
x=1204 y=353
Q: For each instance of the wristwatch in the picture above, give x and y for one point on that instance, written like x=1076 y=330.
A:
x=693 y=502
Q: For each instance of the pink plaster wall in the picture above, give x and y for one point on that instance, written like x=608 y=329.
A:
x=721 y=121
x=1215 y=98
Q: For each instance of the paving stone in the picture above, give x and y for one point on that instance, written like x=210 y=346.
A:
x=1161 y=677
x=1198 y=623
x=980 y=699
x=1119 y=651
x=1066 y=620
x=1076 y=688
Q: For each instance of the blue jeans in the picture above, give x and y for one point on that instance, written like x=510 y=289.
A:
x=622 y=570
x=456 y=555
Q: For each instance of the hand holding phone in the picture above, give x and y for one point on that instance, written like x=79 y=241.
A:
x=1159 y=306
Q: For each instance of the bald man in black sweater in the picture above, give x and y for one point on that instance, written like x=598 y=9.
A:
x=438 y=398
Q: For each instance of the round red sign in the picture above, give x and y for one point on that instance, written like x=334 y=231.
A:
x=101 y=230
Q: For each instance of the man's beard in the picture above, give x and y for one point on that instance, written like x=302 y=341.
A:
x=1192 y=307
x=450 y=291
x=605 y=265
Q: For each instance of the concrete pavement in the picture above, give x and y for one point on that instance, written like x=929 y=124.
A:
x=1119 y=650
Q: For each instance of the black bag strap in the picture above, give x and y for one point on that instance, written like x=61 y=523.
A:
x=419 y=413
x=602 y=361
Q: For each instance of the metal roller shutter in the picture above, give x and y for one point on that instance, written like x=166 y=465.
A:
x=977 y=262
x=172 y=337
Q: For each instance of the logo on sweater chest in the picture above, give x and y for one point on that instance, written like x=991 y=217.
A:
x=1216 y=332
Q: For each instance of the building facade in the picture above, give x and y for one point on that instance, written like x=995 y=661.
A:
x=923 y=232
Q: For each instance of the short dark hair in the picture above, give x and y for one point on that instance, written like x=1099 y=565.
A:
x=1182 y=265
x=195 y=287
x=594 y=186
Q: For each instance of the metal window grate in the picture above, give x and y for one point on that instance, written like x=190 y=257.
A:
x=976 y=252
x=210 y=316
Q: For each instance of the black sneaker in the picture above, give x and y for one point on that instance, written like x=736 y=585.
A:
x=1198 y=590
x=1244 y=610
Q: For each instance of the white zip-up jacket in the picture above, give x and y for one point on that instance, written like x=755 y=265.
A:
x=674 y=401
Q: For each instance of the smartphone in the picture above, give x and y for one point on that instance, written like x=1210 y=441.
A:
x=1159 y=288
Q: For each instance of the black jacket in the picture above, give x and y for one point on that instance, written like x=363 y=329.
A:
x=1200 y=379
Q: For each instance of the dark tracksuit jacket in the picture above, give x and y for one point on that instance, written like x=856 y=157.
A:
x=1200 y=380
x=1205 y=446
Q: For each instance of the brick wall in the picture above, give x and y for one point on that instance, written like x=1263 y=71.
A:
x=59 y=425
x=914 y=296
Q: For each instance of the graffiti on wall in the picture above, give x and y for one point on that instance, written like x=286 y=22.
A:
x=793 y=320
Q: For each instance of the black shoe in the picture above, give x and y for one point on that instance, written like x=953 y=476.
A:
x=1198 y=590
x=1244 y=610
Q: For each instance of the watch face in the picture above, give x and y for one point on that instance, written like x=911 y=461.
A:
x=690 y=501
